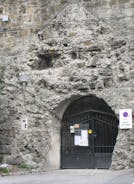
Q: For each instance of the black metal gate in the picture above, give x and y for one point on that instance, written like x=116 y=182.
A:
x=102 y=130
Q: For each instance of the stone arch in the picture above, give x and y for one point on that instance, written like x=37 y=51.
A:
x=54 y=153
x=63 y=110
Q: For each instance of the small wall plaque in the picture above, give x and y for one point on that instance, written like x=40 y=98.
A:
x=24 y=124
x=5 y=18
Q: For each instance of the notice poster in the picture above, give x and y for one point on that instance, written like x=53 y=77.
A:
x=77 y=140
x=125 y=118
x=72 y=129
x=82 y=139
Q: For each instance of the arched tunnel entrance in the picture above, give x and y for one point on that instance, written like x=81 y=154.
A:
x=88 y=134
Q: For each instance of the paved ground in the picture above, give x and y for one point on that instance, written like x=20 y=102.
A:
x=73 y=177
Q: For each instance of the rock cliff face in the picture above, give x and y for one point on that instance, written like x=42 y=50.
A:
x=67 y=49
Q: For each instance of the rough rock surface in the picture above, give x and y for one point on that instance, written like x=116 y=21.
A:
x=72 y=53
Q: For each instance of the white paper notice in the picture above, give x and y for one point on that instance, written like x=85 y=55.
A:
x=77 y=140
x=84 y=138
x=72 y=129
x=84 y=134
x=81 y=140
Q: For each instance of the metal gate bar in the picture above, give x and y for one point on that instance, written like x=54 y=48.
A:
x=101 y=143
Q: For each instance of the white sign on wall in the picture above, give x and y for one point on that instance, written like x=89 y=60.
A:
x=5 y=18
x=125 y=118
x=24 y=124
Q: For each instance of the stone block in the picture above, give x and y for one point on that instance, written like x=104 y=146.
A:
x=99 y=85
x=118 y=44
x=13 y=160
x=105 y=72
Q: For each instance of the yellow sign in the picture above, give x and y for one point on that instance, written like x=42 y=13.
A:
x=90 y=131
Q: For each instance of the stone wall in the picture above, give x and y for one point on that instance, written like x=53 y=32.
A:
x=67 y=50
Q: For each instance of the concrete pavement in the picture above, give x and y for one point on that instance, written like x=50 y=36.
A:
x=73 y=177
